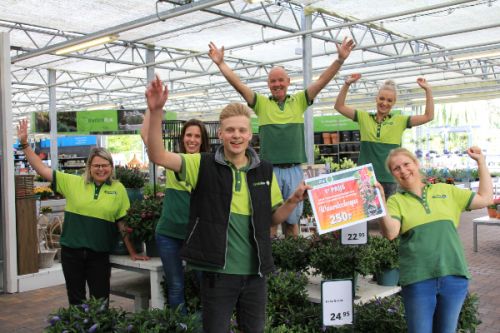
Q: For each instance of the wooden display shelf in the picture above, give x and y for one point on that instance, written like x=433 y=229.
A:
x=27 y=237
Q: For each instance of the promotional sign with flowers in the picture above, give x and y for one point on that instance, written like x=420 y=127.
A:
x=345 y=198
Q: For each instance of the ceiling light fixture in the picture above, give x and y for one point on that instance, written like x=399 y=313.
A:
x=188 y=94
x=86 y=45
x=478 y=55
x=436 y=97
x=105 y=106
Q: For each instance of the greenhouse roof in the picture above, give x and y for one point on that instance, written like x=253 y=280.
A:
x=455 y=45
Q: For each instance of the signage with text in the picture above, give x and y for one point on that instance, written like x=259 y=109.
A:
x=337 y=302
x=345 y=198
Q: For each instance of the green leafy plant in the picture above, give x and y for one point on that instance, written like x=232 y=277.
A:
x=46 y=210
x=142 y=217
x=159 y=320
x=383 y=253
x=130 y=177
x=148 y=190
x=383 y=315
x=94 y=316
x=469 y=315
x=331 y=259
x=44 y=192
x=287 y=300
x=291 y=254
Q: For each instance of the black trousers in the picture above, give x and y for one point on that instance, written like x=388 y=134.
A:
x=222 y=293
x=84 y=266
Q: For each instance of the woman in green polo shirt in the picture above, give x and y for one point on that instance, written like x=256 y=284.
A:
x=382 y=131
x=95 y=204
x=171 y=228
x=433 y=270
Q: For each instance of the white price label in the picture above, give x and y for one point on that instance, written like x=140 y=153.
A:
x=355 y=234
x=337 y=300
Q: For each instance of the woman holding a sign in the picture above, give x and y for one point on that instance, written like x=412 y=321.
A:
x=382 y=131
x=433 y=270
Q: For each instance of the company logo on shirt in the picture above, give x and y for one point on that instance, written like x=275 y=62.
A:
x=266 y=183
x=110 y=192
x=439 y=196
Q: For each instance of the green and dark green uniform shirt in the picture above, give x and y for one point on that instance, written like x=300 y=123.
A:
x=430 y=246
x=281 y=128
x=175 y=211
x=91 y=211
x=378 y=139
x=241 y=253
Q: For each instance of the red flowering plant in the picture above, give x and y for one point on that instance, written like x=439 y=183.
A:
x=142 y=217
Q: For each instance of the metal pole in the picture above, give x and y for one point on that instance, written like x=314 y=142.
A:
x=53 y=119
x=307 y=72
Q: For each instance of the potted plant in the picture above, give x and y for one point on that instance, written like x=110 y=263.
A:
x=141 y=220
x=385 y=256
x=291 y=254
x=492 y=209
x=333 y=260
x=44 y=192
x=133 y=180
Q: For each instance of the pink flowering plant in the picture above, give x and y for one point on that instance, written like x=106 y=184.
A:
x=142 y=218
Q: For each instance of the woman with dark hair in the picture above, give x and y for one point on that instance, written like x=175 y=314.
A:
x=383 y=131
x=171 y=228
x=95 y=205
x=433 y=270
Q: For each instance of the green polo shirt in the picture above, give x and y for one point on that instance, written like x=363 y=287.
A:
x=281 y=127
x=430 y=246
x=241 y=253
x=378 y=139
x=91 y=211
x=175 y=211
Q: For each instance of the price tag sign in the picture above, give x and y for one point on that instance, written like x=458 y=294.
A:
x=355 y=234
x=337 y=302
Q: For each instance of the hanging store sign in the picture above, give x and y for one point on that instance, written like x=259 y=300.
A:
x=97 y=121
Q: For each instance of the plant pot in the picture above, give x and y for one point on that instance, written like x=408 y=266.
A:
x=46 y=258
x=492 y=212
x=388 y=277
x=334 y=137
x=134 y=194
x=121 y=249
x=327 y=140
x=152 y=249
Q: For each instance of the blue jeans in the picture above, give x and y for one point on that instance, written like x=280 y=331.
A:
x=221 y=293
x=169 y=248
x=288 y=180
x=434 y=305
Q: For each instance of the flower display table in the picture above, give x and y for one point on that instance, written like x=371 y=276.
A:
x=483 y=220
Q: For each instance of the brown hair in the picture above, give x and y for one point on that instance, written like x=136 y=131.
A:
x=233 y=110
x=205 y=144
x=102 y=153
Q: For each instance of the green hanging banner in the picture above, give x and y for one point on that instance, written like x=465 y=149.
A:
x=334 y=123
x=97 y=121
